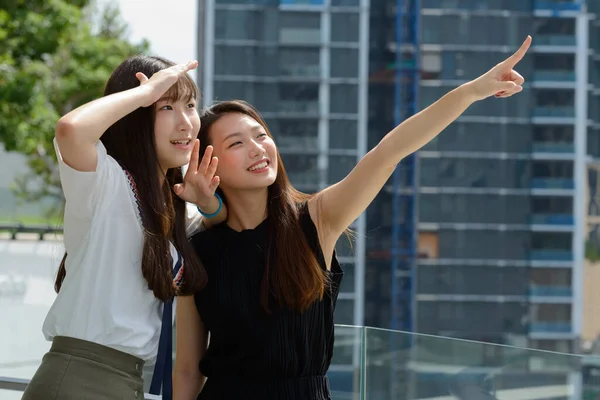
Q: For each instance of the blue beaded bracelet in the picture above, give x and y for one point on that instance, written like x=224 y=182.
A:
x=216 y=212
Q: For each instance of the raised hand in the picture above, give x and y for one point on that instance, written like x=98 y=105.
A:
x=160 y=82
x=199 y=183
x=502 y=80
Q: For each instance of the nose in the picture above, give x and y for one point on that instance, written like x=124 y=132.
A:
x=184 y=124
x=256 y=149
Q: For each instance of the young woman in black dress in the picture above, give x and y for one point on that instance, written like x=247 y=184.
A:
x=273 y=277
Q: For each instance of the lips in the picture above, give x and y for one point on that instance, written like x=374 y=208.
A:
x=257 y=166
x=184 y=142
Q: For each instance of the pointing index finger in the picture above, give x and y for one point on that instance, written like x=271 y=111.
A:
x=519 y=54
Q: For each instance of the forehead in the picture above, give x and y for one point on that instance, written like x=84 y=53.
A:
x=235 y=123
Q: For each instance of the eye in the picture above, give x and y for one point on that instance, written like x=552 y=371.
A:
x=261 y=135
x=166 y=108
x=234 y=144
x=191 y=105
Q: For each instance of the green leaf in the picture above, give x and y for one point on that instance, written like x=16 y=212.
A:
x=51 y=62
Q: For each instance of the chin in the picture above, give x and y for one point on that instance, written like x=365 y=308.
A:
x=181 y=163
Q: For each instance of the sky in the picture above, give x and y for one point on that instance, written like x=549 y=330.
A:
x=169 y=26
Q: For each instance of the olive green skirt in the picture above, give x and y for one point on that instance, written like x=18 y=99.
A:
x=78 y=369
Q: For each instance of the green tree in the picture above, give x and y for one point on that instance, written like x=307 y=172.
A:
x=54 y=56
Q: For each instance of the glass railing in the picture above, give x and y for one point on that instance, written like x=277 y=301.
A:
x=379 y=364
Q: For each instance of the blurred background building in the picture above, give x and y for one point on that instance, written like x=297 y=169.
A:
x=491 y=214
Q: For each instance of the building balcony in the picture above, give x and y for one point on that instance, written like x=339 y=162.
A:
x=299 y=36
x=553 y=76
x=551 y=255
x=552 y=183
x=302 y=2
x=550 y=327
x=550 y=291
x=552 y=219
x=555 y=6
x=298 y=70
x=299 y=106
x=553 y=147
x=304 y=178
x=555 y=40
x=554 y=111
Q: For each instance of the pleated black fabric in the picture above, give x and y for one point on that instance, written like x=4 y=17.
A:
x=252 y=354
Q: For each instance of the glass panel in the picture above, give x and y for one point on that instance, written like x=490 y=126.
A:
x=346 y=3
x=339 y=167
x=468 y=29
x=406 y=366
x=483 y=245
x=474 y=208
x=483 y=137
x=263 y=96
x=300 y=28
x=344 y=27
x=27 y=273
x=245 y=60
x=295 y=134
x=344 y=63
x=344 y=99
x=478 y=173
x=344 y=311
x=348 y=281
x=473 y=280
x=343 y=134
x=245 y=25
x=298 y=62
x=301 y=169
x=346 y=370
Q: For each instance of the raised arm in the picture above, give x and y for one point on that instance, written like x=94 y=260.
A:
x=337 y=206
x=191 y=342
x=78 y=131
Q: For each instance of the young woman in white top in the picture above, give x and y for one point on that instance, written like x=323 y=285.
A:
x=126 y=228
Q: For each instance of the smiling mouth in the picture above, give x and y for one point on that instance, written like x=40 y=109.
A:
x=259 y=166
x=180 y=142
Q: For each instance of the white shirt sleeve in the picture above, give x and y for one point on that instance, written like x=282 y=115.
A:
x=194 y=220
x=84 y=191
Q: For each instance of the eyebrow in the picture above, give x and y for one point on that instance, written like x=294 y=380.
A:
x=254 y=128
x=231 y=136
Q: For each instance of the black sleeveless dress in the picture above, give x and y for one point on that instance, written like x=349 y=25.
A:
x=251 y=354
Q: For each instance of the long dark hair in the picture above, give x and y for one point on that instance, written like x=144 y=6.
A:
x=130 y=141
x=293 y=275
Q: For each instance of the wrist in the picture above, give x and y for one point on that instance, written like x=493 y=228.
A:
x=143 y=95
x=468 y=91
x=211 y=206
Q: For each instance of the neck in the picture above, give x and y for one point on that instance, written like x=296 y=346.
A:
x=247 y=209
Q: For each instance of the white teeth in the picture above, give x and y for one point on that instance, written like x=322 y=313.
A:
x=258 y=166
